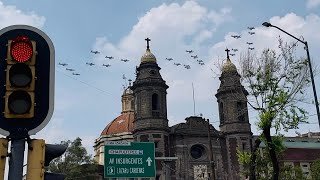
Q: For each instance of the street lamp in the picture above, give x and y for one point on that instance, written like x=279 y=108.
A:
x=267 y=24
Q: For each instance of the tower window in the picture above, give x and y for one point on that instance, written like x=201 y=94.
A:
x=135 y=104
x=221 y=113
x=155 y=102
x=241 y=111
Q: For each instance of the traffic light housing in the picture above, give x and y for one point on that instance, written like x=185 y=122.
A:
x=20 y=78
x=3 y=156
x=26 y=80
x=39 y=156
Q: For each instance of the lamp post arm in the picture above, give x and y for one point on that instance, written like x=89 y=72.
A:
x=304 y=42
x=312 y=82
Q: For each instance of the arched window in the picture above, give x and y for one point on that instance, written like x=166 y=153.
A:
x=155 y=102
x=241 y=111
x=221 y=113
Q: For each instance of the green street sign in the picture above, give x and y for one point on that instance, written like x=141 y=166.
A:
x=129 y=160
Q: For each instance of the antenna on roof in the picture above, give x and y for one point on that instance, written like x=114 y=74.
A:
x=125 y=79
x=194 y=103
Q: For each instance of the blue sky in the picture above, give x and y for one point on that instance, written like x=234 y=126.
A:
x=85 y=104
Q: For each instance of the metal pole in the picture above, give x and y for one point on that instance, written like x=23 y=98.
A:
x=312 y=82
x=213 y=175
x=16 y=159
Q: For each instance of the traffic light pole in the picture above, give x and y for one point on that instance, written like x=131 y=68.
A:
x=16 y=159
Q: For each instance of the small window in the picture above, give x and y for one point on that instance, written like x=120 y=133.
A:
x=240 y=111
x=155 y=102
x=156 y=144
x=244 y=145
x=221 y=113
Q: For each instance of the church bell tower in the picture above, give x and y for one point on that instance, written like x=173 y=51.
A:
x=150 y=108
x=233 y=115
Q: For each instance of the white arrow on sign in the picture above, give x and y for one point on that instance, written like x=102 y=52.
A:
x=149 y=161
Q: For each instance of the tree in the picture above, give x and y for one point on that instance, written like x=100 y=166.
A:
x=315 y=170
x=276 y=85
x=263 y=164
x=75 y=162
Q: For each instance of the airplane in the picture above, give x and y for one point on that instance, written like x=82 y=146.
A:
x=232 y=54
x=95 y=52
x=76 y=74
x=124 y=60
x=106 y=65
x=251 y=48
x=177 y=64
x=187 y=66
x=194 y=57
x=63 y=64
x=109 y=57
x=90 y=64
x=236 y=36
x=69 y=69
x=189 y=51
x=169 y=59
x=249 y=43
x=235 y=50
x=251 y=28
x=251 y=33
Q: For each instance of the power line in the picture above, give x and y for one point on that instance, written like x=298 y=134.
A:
x=85 y=83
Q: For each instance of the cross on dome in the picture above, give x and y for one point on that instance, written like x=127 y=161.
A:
x=227 y=50
x=148 y=39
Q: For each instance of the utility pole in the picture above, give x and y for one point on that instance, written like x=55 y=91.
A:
x=213 y=175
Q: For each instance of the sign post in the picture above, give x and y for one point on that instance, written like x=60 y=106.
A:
x=129 y=160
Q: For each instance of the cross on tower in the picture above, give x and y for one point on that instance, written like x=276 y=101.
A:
x=148 y=42
x=227 y=52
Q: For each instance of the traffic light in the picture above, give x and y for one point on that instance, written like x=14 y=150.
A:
x=20 y=78
x=35 y=163
x=26 y=80
x=3 y=156
x=39 y=156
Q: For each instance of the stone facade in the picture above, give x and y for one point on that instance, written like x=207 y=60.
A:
x=188 y=142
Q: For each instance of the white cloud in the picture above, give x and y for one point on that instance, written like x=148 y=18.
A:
x=10 y=15
x=313 y=3
x=222 y=16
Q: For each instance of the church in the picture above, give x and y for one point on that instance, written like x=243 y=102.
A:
x=194 y=149
x=187 y=151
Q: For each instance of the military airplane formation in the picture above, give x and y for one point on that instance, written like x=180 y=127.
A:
x=194 y=56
